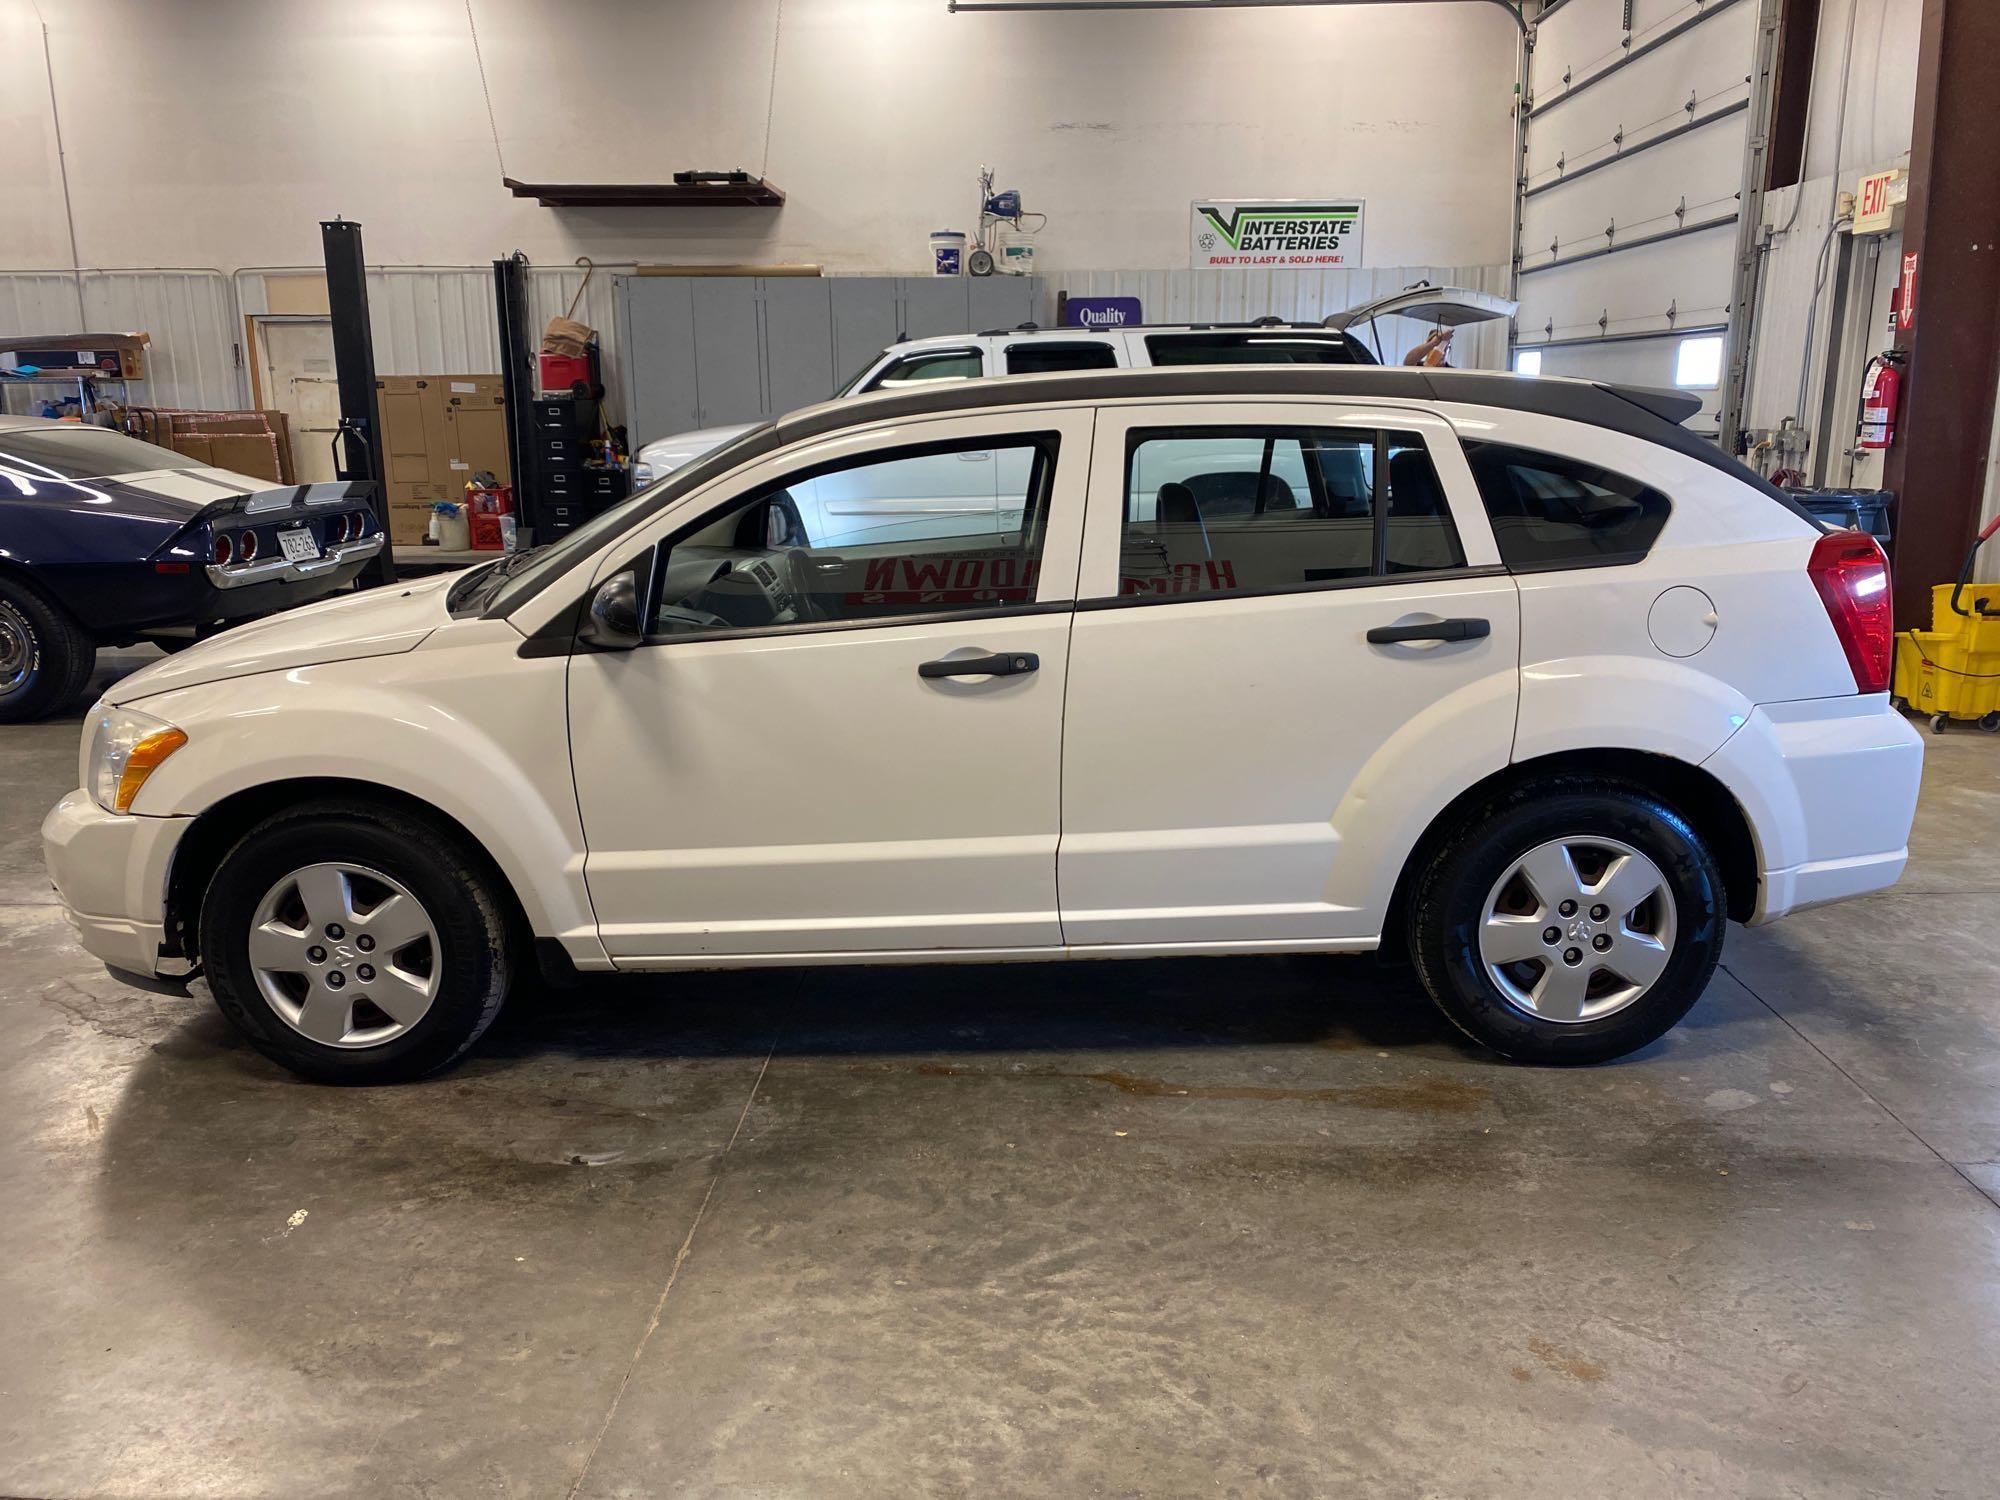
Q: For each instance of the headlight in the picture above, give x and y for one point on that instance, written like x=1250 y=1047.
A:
x=642 y=475
x=124 y=748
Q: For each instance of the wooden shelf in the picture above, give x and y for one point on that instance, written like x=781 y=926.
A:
x=756 y=193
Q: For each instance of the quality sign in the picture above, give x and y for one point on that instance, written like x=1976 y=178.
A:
x=1255 y=236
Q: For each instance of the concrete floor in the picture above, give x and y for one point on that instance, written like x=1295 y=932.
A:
x=1205 y=1227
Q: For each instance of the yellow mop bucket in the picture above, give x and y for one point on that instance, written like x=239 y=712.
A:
x=1952 y=670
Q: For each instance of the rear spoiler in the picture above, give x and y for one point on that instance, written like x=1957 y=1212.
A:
x=1673 y=406
x=277 y=499
x=286 y=496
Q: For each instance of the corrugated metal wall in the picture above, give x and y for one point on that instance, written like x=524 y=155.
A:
x=1300 y=296
x=1786 y=310
x=440 y=320
x=190 y=314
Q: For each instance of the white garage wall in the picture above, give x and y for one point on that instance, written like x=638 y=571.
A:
x=218 y=132
x=1859 y=121
x=1873 y=113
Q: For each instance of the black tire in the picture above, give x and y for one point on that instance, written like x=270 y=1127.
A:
x=457 y=890
x=1451 y=894
x=54 y=654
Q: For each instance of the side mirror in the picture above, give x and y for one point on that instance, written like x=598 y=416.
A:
x=614 y=623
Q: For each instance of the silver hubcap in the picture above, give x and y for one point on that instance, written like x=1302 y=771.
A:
x=17 y=651
x=345 y=955
x=1577 y=929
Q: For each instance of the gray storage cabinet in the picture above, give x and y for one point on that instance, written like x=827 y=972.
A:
x=707 y=351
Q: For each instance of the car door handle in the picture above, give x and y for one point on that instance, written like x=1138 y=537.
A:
x=1430 y=630
x=1000 y=664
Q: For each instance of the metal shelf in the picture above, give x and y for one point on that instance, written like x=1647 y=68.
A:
x=757 y=193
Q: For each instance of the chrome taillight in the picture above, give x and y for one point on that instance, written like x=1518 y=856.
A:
x=225 y=550
x=249 y=545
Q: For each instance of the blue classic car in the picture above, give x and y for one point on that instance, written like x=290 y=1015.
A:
x=106 y=540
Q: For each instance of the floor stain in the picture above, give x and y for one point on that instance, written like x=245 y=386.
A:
x=1443 y=1096
x=1563 y=1362
x=1522 y=1373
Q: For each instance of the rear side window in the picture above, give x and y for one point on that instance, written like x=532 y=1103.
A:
x=1554 y=512
x=1220 y=348
x=943 y=364
x=1047 y=359
x=1233 y=510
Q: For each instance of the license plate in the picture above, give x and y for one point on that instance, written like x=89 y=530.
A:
x=298 y=544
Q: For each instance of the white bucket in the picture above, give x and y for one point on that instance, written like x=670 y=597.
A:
x=452 y=529
x=1017 y=253
x=948 y=252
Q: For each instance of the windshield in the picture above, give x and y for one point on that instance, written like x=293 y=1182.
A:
x=70 y=450
x=499 y=587
x=846 y=386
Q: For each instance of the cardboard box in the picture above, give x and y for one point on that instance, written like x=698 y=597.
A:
x=409 y=524
x=475 y=415
x=437 y=432
x=255 y=443
x=414 y=445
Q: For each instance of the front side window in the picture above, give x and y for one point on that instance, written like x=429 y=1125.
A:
x=1049 y=358
x=1555 y=512
x=1226 y=348
x=954 y=527
x=1266 y=509
x=941 y=364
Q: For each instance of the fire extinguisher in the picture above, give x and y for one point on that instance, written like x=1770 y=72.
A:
x=1881 y=389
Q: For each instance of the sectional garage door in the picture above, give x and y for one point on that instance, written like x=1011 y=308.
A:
x=1632 y=186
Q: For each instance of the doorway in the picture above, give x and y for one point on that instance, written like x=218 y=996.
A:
x=293 y=373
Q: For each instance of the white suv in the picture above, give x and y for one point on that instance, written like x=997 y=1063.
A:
x=1518 y=672
x=1029 y=350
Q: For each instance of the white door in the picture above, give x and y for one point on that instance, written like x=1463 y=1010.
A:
x=300 y=381
x=801 y=761
x=1629 y=198
x=1241 y=762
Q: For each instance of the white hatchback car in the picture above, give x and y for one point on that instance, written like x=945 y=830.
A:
x=1239 y=661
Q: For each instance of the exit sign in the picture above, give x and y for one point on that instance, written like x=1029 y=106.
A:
x=1876 y=201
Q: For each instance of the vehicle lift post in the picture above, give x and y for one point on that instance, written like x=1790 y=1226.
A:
x=357 y=445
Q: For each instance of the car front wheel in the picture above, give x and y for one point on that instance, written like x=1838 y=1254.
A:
x=46 y=657
x=356 y=945
x=1571 y=921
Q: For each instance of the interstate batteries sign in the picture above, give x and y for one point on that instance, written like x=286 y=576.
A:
x=1259 y=235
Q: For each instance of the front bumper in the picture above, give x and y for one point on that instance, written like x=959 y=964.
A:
x=1830 y=788
x=111 y=873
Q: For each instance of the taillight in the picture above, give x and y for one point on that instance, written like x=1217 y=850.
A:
x=249 y=545
x=350 y=527
x=1852 y=577
x=224 y=550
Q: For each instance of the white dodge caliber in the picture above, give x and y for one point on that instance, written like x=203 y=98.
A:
x=1517 y=673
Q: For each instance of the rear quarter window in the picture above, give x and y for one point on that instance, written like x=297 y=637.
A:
x=1275 y=348
x=1554 y=512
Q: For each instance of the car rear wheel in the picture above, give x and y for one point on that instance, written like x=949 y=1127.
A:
x=46 y=657
x=356 y=945
x=1571 y=921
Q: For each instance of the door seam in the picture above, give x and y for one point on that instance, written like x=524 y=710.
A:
x=1069 y=662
